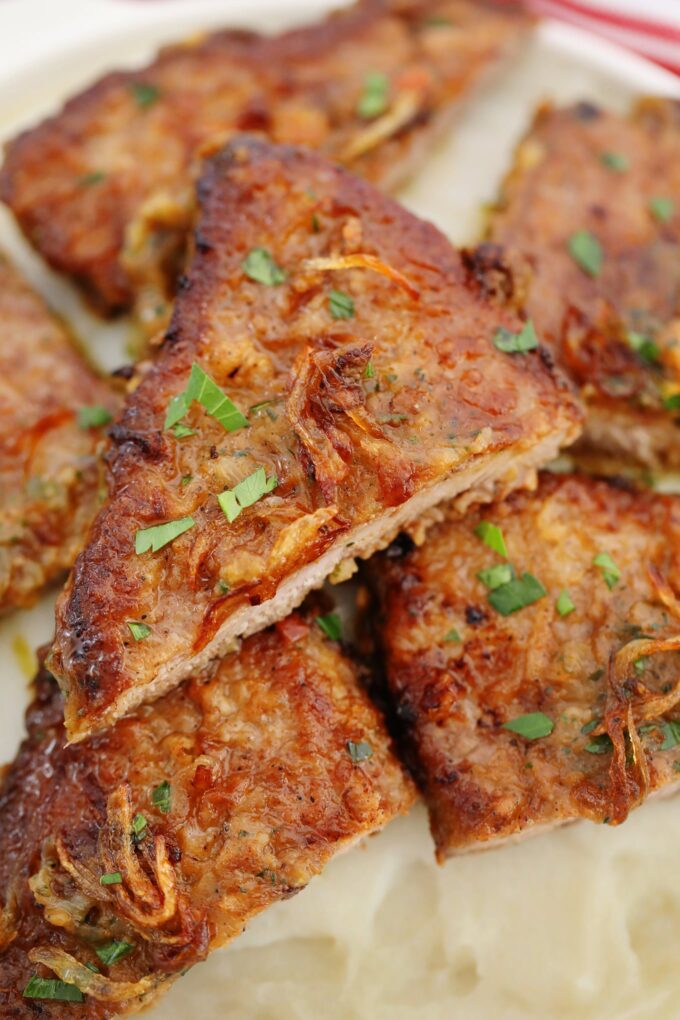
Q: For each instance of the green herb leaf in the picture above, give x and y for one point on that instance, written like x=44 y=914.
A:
x=492 y=536
x=331 y=625
x=369 y=371
x=113 y=951
x=516 y=594
x=51 y=988
x=93 y=417
x=516 y=343
x=610 y=572
x=161 y=797
x=259 y=265
x=589 y=727
x=662 y=208
x=586 y=251
x=212 y=399
x=641 y=664
x=185 y=479
x=615 y=161
x=113 y=878
x=180 y=431
x=564 y=605
x=374 y=99
x=531 y=726
x=436 y=21
x=671 y=731
x=644 y=346
x=254 y=487
x=600 y=745
x=340 y=304
x=139 y=826
x=139 y=631
x=156 y=537
x=453 y=636
x=494 y=577
x=94 y=177
x=359 y=751
x=145 y=94
x=672 y=403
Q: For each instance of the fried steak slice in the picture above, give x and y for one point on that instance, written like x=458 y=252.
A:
x=566 y=708
x=52 y=408
x=370 y=86
x=127 y=858
x=593 y=202
x=329 y=374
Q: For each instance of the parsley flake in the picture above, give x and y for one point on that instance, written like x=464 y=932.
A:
x=374 y=99
x=180 y=431
x=662 y=208
x=369 y=371
x=139 y=631
x=563 y=604
x=586 y=251
x=671 y=732
x=492 y=536
x=259 y=265
x=531 y=726
x=617 y=161
x=610 y=572
x=516 y=343
x=601 y=744
x=671 y=402
x=156 y=537
x=145 y=94
x=51 y=988
x=331 y=625
x=113 y=951
x=494 y=577
x=644 y=346
x=341 y=305
x=516 y=594
x=161 y=796
x=453 y=636
x=139 y=825
x=93 y=417
x=113 y=878
x=94 y=177
x=254 y=487
x=359 y=750
x=205 y=391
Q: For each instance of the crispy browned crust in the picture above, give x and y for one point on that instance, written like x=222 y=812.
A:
x=301 y=87
x=348 y=451
x=263 y=792
x=48 y=465
x=484 y=783
x=560 y=185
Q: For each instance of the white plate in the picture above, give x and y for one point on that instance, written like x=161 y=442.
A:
x=582 y=922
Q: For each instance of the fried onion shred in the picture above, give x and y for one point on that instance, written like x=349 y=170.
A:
x=72 y=972
x=361 y=260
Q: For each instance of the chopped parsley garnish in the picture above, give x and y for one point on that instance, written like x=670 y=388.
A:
x=331 y=625
x=113 y=951
x=259 y=265
x=185 y=479
x=113 y=878
x=586 y=251
x=139 y=825
x=94 y=177
x=340 y=304
x=516 y=594
x=374 y=99
x=139 y=631
x=601 y=744
x=644 y=346
x=254 y=487
x=672 y=402
x=531 y=726
x=564 y=605
x=212 y=399
x=180 y=431
x=641 y=664
x=156 y=537
x=589 y=727
x=662 y=208
x=610 y=572
x=51 y=988
x=359 y=750
x=161 y=796
x=494 y=577
x=436 y=21
x=145 y=94
x=671 y=733
x=615 y=161
x=93 y=417
x=516 y=343
x=492 y=536
x=453 y=636
x=369 y=371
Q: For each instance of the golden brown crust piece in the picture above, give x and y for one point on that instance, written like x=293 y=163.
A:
x=484 y=783
x=364 y=421
x=617 y=332
x=48 y=464
x=80 y=179
x=272 y=766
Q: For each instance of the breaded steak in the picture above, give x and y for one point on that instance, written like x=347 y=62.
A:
x=331 y=372
x=126 y=859
x=52 y=411
x=369 y=86
x=539 y=686
x=593 y=202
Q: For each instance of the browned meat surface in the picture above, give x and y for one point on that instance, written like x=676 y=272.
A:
x=48 y=462
x=593 y=202
x=139 y=851
x=521 y=721
x=354 y=351
x=369 y=86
